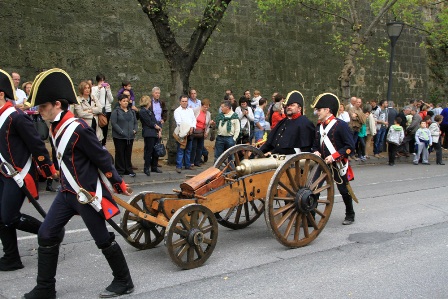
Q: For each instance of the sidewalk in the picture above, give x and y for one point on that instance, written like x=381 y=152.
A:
x=170 y=174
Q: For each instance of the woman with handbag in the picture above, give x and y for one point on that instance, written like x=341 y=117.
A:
x=124 y=128
x=203 y=122
x=89 y=108
x=151 y=133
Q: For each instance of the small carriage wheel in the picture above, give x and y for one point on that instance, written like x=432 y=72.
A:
x=299 y=200
x=191 y=236
x=144 y=233
x=246 y=213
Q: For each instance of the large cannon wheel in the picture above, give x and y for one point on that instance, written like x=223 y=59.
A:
x=299 y=200
x=144 y=233
x=191 y=236
x=247 y=213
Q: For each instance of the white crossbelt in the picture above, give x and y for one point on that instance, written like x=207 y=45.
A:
x=325 y=139
x=71 y=125
x=27 y=166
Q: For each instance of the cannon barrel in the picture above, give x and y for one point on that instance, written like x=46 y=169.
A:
x=256 y=165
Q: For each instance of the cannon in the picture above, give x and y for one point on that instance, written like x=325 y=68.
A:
x=295 y=193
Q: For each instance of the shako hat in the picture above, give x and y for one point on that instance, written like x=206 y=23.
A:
x=327 y=100
x=294 y=97
x=52 y=85
x=7 y=85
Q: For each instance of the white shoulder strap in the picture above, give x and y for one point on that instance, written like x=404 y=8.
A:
x=326 y=140
x=5 y=115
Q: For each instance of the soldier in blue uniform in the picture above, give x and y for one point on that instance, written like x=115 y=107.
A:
x=293 y=134
x=334 y=143
x=21 y=147
x=85 y=166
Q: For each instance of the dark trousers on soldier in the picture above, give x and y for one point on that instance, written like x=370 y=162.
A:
x=346 y=197
x=11 y=200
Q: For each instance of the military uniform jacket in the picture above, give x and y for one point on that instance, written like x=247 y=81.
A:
x=18 y=141
x=289 y=134
x=84 y=156
x=340 y=136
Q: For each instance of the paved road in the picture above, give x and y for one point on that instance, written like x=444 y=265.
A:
x=397 y=248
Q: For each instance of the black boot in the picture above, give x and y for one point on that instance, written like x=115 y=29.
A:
x=122 y=283
x=349 y=212
x=11 y=260
x=146 y=171
x=28 y=224
x=50 y=185
x=46 y=271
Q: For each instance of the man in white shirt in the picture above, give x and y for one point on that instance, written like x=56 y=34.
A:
x=20 y=94
x=186 y=122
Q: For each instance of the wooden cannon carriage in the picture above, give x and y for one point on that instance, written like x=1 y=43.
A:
x=297 y=193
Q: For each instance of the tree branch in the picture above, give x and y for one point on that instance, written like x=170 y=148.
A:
x=213 y=14
x=386 y=6
x=155 y=11
x=325 y=12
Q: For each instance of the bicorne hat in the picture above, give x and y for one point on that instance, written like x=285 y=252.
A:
x=52 y=85
x=327 y=100
x=7 y=85
x=294 y=97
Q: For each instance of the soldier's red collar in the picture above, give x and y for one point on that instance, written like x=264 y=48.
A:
x=6 y=106
x=66 y=117
x=295 y=116
x=327 y=121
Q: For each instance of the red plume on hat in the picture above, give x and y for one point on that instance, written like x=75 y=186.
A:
x=7 y=85
x=52 y=85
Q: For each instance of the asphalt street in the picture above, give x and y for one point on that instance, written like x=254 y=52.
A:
x=397 y=248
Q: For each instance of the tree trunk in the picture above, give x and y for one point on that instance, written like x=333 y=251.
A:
x=348 y=70
x=180 y=82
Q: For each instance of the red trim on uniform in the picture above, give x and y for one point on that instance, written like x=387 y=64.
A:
x=67 y=116
x=109 y=209
x=30 y=184
x=297 y=115
x=120 y=187
x=336 y=156
x=6 y=106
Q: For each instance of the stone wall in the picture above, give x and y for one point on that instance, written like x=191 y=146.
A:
x=116 y=38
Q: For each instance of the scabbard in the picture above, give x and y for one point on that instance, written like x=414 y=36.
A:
x=33 y=201
x=350 y=190
x=118 y=229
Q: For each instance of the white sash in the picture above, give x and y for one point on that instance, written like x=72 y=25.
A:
x=71 y=126
x=325 y=139
x=27 y=166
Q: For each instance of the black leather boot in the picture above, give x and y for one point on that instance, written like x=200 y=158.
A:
x=50 y=186
x=122 y=283
x=146 y=171
x=46 y=271
x=11 y=260
x=349 y=212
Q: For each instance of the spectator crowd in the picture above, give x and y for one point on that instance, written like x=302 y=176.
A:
x=377 y=127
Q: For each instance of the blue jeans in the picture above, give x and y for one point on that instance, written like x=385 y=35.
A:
x=183 y=153
x=378 y=145
x=258 y=134
x=222 y=144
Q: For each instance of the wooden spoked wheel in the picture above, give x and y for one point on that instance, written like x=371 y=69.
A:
x=145 y=234
x=246 y=213
x=299 y=200
x=191 y=236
